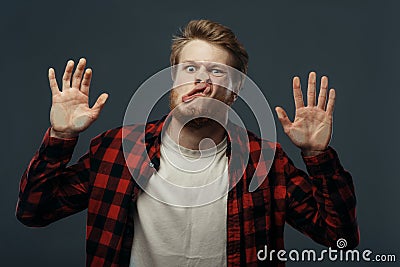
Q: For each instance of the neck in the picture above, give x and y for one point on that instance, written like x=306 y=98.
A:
x=191 y=134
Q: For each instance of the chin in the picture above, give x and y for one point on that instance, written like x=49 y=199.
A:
x=199 y=122
x=198 y=113
x=192 y=112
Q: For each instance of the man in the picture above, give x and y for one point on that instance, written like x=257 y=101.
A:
x=127 y=226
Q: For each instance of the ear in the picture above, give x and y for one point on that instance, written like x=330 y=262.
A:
x=232 y=98
x=235 y=97
x=173 y=72
x=238 y=81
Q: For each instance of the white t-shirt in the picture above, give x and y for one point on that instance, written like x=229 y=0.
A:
x=189 y=232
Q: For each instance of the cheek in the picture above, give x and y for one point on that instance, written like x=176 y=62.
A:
x=222 y=92
x=175 y=95
x=225 y=95
x=180 y=90
x=173 y=99
x=183 y=78
x=224 y=82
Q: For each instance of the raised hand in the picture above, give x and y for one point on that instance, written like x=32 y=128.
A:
x=70 y=113
x=311 y=129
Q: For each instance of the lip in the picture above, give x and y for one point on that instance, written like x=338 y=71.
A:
x=200 y=90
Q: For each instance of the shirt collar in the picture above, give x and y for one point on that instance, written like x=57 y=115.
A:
x=237 y=142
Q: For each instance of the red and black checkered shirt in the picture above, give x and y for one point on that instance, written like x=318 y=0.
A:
x=320 y=205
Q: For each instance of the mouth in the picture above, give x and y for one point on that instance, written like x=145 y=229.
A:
x=200 y=90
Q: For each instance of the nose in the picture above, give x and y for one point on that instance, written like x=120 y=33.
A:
x=202 y=76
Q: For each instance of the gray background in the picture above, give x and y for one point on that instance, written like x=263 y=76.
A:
x=356 y=43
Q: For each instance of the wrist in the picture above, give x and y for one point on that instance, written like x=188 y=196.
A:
x=62 y=135
x=311 y=153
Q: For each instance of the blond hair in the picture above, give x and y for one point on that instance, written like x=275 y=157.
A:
x=213 y=33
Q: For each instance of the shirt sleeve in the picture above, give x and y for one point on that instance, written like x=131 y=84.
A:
x=322 y=205
x=49 y=190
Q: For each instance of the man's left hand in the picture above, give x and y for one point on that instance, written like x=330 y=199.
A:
x=312 y=126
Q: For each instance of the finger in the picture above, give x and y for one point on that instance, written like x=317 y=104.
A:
x=87 y=77
x=53 y=82
x=322 y=93
x=67 y=75
x=297 y=94
x=77 y=78
x=311 y=89
x=283 y=118
x=331 y=102
x=101 y=100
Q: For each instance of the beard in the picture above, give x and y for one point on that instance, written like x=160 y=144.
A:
x=202 y=111
x=194 y=117
x=199 y=123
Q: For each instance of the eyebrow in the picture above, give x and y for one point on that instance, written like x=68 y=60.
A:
x=189 y=61
x=211 y=64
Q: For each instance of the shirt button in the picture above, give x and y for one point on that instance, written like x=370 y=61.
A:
x=151 y=164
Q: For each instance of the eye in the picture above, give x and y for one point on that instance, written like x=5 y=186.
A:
x=217 y=72
x=190 y=68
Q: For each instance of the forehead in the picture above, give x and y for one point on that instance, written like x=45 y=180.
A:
x=199 y=50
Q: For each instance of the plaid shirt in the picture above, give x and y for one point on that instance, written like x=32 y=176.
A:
x=322 y=205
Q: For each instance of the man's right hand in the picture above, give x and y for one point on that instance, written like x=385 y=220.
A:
x=70 y=113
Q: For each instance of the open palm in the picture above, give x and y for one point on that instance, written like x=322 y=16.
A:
x=70 y=113
x=312 y=126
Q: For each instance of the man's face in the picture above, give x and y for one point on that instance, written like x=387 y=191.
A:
x=203 y=72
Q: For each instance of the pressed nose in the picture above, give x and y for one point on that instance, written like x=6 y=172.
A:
x=202 y=75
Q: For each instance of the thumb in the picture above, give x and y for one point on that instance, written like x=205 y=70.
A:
x=101 y=100
x=283 y=118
